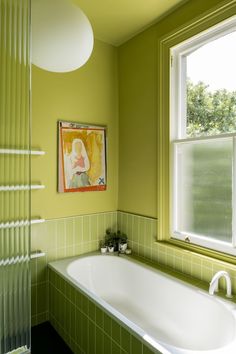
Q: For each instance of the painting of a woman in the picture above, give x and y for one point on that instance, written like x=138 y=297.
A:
x=81 y=157
x=76 y=166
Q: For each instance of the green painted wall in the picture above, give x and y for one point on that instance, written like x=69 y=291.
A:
x=138 y=93
x=87 y=95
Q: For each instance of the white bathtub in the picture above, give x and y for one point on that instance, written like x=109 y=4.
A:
x=170 y=315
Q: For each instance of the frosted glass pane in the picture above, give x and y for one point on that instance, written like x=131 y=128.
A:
x=204 y=188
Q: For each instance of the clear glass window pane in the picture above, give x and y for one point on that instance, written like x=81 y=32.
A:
x=203 y=188
x=211 y=88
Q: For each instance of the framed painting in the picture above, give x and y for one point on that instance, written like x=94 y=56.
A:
x=82 y=157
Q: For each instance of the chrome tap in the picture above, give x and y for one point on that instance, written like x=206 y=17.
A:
x=214 y=284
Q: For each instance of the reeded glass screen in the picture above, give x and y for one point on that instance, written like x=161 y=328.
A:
x=14 y=174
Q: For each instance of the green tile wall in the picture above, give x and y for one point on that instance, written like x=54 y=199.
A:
x=68 y=237
x=60 y=238
x=142 y=238
x=85 y=327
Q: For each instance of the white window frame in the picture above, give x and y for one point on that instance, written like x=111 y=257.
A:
x=178 y=131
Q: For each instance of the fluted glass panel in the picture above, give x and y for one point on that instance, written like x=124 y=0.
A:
x=14 y=170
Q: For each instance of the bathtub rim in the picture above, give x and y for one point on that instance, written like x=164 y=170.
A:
x=60 y=266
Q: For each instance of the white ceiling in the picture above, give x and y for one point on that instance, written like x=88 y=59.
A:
x=116 y=21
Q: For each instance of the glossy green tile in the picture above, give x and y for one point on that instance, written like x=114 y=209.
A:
x=108 y=224
x=42 y=317
x=94 y=227
x=92 y=311
x=84 y=304
x=125 y=340
x=146 y=350
x=84 y=333
x=78 y=229
x=34 y=300
x=42 y=298
x=99 y=317
x=78 y=300
x=41 y=269
x=107 y=344
x=73 y=321
x=142 y=234
x=69 y=232
x=67 y=290
x=86 y=229
x=107 y=324
x=99 y=341
x=33 y=271
x=51 y=232
x=91 y=338
x=101 y=225
x=61 y=237
x=115 y=331
x=115 y=349
x=136 y=346
x=61 y=253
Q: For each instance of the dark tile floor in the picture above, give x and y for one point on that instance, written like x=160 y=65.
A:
x=45 y=340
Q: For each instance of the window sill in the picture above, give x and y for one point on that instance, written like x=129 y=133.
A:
x=197 y=250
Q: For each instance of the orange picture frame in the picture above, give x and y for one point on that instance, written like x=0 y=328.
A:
x=81 y=157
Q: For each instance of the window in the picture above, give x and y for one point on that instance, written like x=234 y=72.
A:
x=203 y=139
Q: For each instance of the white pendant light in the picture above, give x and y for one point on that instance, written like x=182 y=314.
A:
x=62 y=37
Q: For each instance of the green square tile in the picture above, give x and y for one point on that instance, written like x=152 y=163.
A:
x=99 y=317
x=136 y=346
x=107 y=324
x=115 y=331
x=125 y=340
x=91 y=310
x=99 y=341
x=115 y=349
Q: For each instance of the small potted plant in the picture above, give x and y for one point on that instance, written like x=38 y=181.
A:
x=103 y=246
x=122 y=241
x=109 y=240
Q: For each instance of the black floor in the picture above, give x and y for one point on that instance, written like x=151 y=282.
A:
x=45 y=340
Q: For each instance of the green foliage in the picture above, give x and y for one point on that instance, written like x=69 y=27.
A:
x=112 y=238
x=210 y=113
